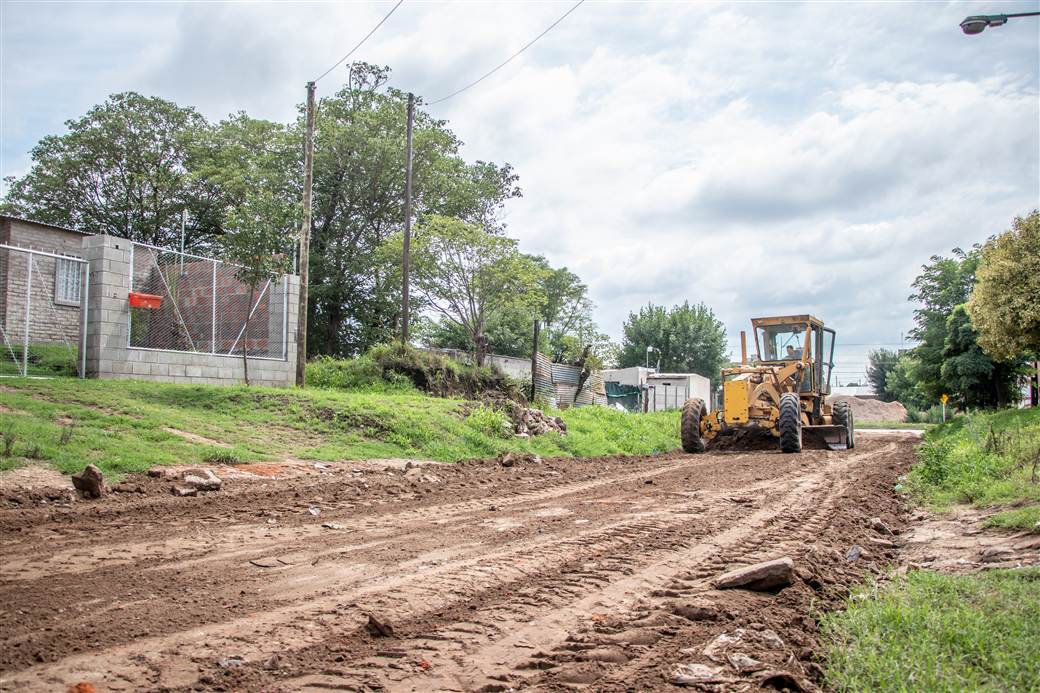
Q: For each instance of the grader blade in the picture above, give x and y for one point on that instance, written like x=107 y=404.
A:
x=830 y=436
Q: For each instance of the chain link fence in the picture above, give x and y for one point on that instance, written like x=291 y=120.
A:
x=42 y=313
x=183 y=302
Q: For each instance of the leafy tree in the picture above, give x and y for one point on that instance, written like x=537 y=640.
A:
x=359 y=164
x=249 y=165
x=972 y=377
x=1005 y=305
x=688 y=339
x=943 y=284
x=881 y=362
x=121 y=169
x=469 y=276
x=903 y=382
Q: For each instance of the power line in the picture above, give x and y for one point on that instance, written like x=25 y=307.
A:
x=362 y=41
x=509 y=59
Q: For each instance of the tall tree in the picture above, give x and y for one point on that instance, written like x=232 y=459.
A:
x=881 y=362
x=359 y=198
x=687 y=339
x=944 y=284
x=1005 y=305
x=469 y=276
x=121 y=169
x=973 y=378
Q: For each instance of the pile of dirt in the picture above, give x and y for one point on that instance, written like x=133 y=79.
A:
x=865 y=409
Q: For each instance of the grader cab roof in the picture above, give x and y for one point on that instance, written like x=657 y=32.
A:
x=785 y=320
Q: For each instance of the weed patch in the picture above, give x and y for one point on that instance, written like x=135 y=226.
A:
x=935 y=632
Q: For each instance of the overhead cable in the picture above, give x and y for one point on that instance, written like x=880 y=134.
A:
x=509 y=59
x=362 y=41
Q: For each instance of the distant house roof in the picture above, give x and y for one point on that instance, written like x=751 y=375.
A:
x=9 y=217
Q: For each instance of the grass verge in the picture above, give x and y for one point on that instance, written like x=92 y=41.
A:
x=935 y=632
x=987 y=459
x=125 y=426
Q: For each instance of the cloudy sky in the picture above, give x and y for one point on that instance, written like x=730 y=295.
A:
x=762 y=157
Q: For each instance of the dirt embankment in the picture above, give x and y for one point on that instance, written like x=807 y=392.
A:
x=865 y=409
x=477 y=576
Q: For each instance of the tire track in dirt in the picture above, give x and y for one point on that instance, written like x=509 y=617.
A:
x=484 y=597
x=487 y=651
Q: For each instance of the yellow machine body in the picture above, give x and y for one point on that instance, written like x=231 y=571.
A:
x=782 y=390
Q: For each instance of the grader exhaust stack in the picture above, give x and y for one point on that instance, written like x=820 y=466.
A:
x=782 y=392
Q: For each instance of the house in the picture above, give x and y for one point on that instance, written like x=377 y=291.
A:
x=60 y=282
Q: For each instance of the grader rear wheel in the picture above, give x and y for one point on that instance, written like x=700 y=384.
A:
x=690 y=425
x=842 y=414
x=790 y=423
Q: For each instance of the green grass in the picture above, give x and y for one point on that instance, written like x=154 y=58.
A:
x=119 y=426
x=986 y=459
x=1027 y=518
x=935 y=632
x=45 y=360
x=895 y=425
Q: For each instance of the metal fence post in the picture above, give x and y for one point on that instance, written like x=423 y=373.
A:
x=84 y=300
x=213 y=312
x=28 y=313
x=129 y=311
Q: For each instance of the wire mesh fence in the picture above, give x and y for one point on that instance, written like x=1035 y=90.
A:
x=183 y=302
x=42 y=313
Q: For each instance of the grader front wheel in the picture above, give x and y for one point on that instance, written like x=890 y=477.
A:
x=690 y=425
x=790 y=423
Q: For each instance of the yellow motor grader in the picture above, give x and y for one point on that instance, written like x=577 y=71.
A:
x=782 y=392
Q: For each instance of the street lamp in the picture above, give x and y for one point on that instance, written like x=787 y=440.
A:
x=648 y=350
x=976 y=24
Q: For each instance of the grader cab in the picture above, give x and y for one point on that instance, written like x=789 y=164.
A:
x=782 y=392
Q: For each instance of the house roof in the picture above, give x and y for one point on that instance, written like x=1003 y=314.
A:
x=9 y=217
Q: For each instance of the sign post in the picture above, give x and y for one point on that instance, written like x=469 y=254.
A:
x=943 y=398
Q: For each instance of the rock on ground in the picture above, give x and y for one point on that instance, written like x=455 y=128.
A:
x=202 y=479
x=90 y=482
x=759 y=577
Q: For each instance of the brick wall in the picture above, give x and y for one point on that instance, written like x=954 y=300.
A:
x=50 y=320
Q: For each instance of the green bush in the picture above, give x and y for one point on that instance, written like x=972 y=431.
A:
x=361 y=373
x=932 y=415
x=490 y=421
x=982 y=458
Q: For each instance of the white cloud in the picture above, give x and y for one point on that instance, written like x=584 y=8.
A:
x=761 y=157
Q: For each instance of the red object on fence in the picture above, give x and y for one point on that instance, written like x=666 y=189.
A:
x=150 y=301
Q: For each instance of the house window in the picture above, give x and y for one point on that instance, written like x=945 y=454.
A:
x=68 y=279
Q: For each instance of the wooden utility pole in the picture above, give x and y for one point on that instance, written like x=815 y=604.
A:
x=534 y=358
x=406 y=260
x=305 y=241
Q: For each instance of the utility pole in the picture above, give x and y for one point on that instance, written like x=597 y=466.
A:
x=534 y=359
x=305 y=241
x=406 y=260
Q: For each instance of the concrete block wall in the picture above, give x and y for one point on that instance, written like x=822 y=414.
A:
x=108 y=324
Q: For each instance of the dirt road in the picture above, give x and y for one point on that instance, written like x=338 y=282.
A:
x=543 y=575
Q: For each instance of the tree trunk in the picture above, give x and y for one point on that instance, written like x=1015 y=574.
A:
x=481 y=343
x=245 y=336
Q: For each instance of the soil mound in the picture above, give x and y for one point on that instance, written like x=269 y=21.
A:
x=864 y=409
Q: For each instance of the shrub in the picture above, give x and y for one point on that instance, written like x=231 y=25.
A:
x=490 y=421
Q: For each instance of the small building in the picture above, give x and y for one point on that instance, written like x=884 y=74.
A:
x=657 y=391
x=54 y=316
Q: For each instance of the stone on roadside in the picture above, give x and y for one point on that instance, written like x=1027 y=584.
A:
x=202 y=479
x=695 y=611
x=182 y=491
x=90 y=482
x=379 y=627
x=759 y=577
x=855 y=552
x=879 y=526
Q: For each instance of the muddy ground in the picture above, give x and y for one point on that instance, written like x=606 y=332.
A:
x=544 y=575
